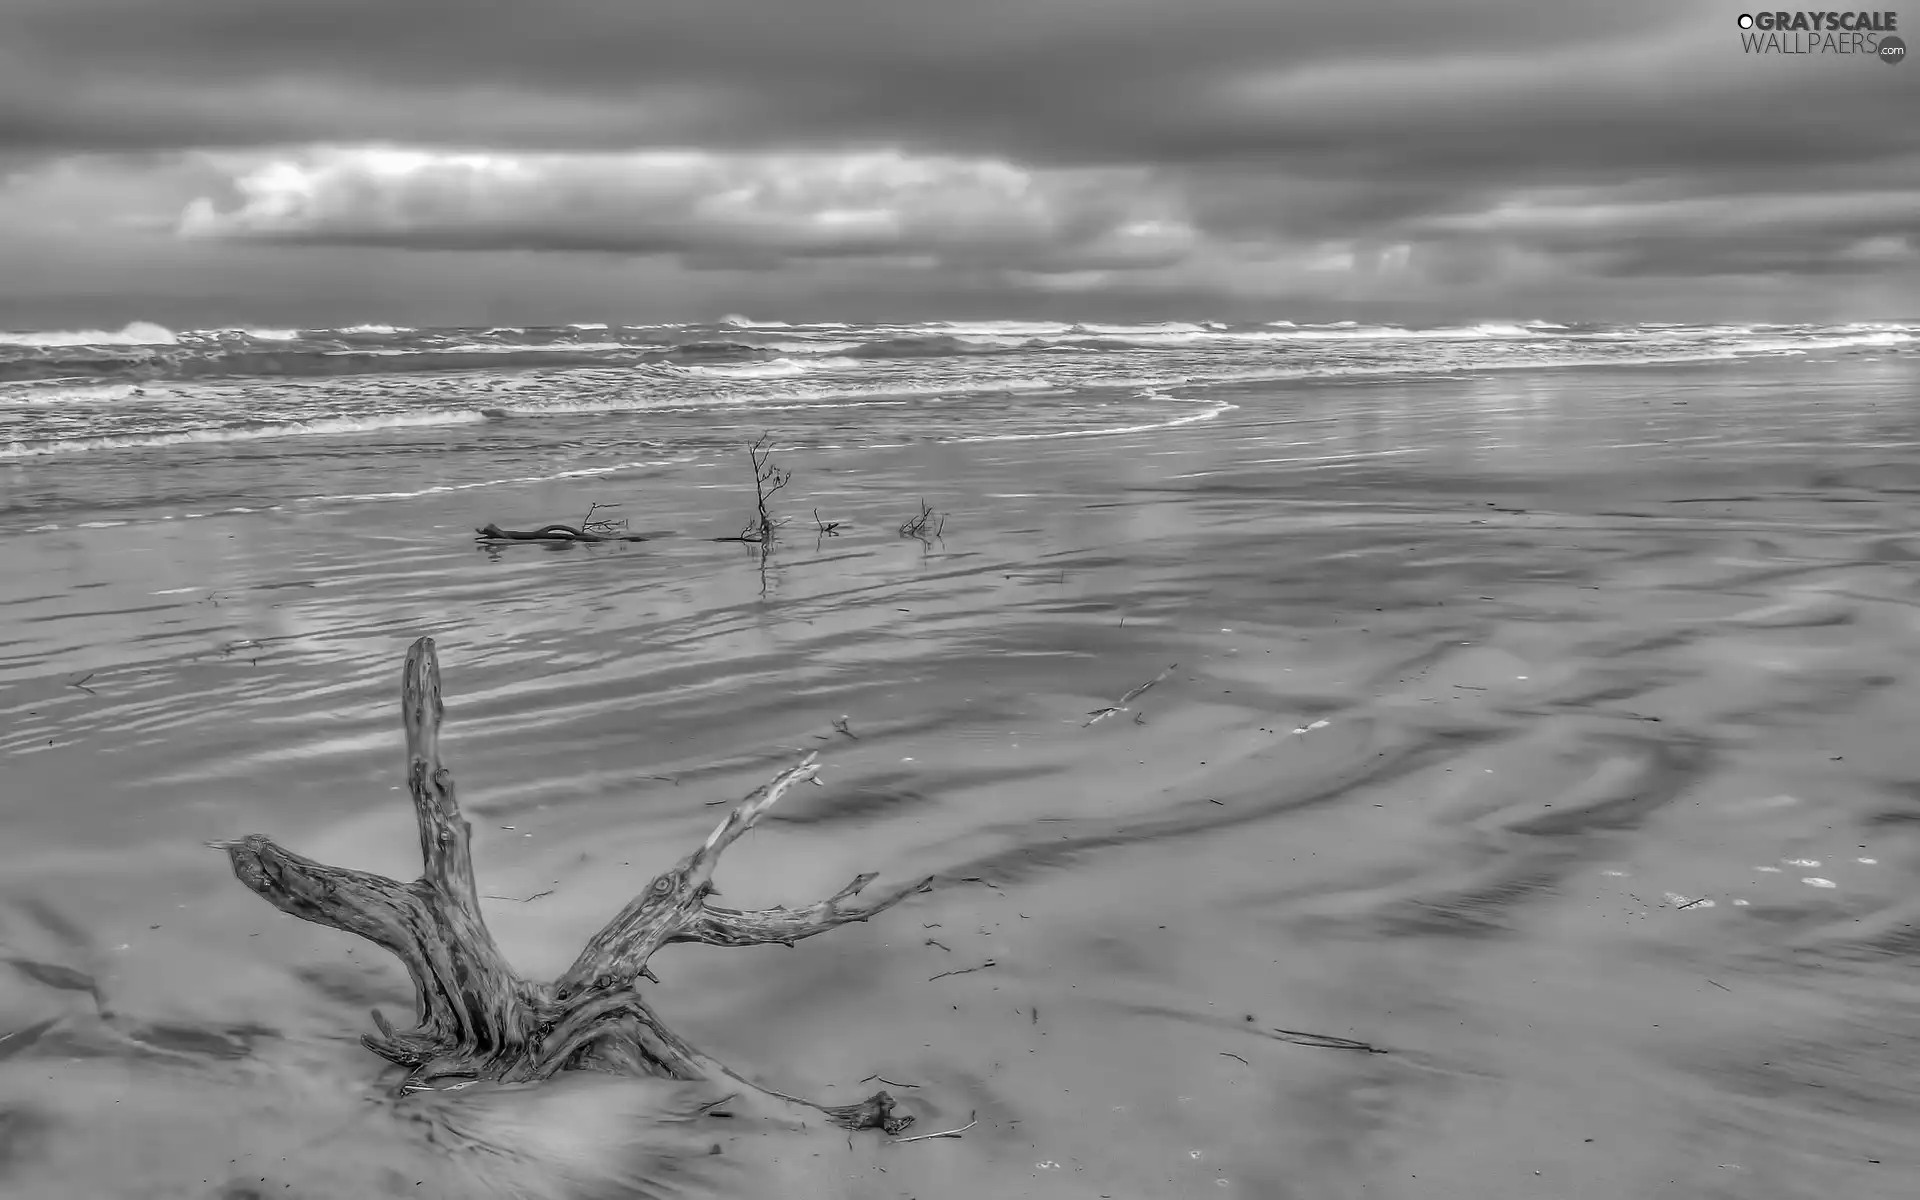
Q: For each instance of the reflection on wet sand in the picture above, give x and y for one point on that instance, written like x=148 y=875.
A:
x=1576 y=777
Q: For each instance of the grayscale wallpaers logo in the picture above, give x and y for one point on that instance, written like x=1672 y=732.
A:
x=1868 y=34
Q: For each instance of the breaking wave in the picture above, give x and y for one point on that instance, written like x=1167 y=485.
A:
x=138 y=333
x=250 y=432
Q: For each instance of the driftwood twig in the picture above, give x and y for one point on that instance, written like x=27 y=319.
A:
x=944 y=1133
x=964 y=970
x=1100 y=714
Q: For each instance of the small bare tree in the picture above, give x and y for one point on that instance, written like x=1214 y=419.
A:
x=767 y=479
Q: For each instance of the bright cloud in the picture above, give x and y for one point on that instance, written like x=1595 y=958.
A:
x=726 y=208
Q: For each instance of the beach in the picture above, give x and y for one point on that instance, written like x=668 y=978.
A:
x=1542 y=736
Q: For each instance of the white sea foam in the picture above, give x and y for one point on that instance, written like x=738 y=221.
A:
x=1213 y=410
x=76 y=392
x=1805 y=342
x=498 y=348
x=84 y=410
x=577 y=473
x=248 y=433
x=773 y=368
x=1160 y=327
x=267 y=335
x=138 y=333
x=1013 y=329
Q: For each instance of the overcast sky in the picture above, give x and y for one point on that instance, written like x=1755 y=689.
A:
x=276 y=162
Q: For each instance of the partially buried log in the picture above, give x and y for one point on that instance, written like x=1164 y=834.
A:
x=479 y=1021
x=550 y=533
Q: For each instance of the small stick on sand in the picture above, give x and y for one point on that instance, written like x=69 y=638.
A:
x=1323 y=1041
x=1100 y=714
x=964 y=970
x=518 y=900
x=840 y=726
x=888 y=1082
x=944 y=1133
x=826 y=528
x=81 y=683
x=1235 y=1057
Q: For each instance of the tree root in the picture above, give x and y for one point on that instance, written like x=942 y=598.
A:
x=475 y=1019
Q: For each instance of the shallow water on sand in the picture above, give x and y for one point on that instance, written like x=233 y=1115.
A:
x=1551 y=733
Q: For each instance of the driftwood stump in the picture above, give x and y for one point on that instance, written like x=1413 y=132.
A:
x=476 y=1020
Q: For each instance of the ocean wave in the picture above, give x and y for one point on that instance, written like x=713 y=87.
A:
x=774 y=398
x=325 y=362
x=1884 y=336
x=74 y=394
x=56 y=392
x=934 y=345
x=773 y=368
x=1159 y=327
x=1016 y=329
x=251 y=432
x=257 y=335
x=1214 y=409
x=1351 y=331
x=443 y=488
x=137 y=333
x=701 y=351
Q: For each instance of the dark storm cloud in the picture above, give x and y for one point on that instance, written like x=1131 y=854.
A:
x=1466 y=84
x=1180 y=147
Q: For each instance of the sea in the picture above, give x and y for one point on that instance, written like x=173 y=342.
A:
x=146 y=422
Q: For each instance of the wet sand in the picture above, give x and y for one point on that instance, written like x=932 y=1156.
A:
x=1553 y=734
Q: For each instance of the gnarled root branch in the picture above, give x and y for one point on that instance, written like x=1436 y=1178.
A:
x=476 y=1019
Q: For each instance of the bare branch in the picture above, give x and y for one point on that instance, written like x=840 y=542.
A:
x=784 y=926
x=616 y=954
x=432 y=925
x=605 y=528
x=444 y=834
x=384 y=911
